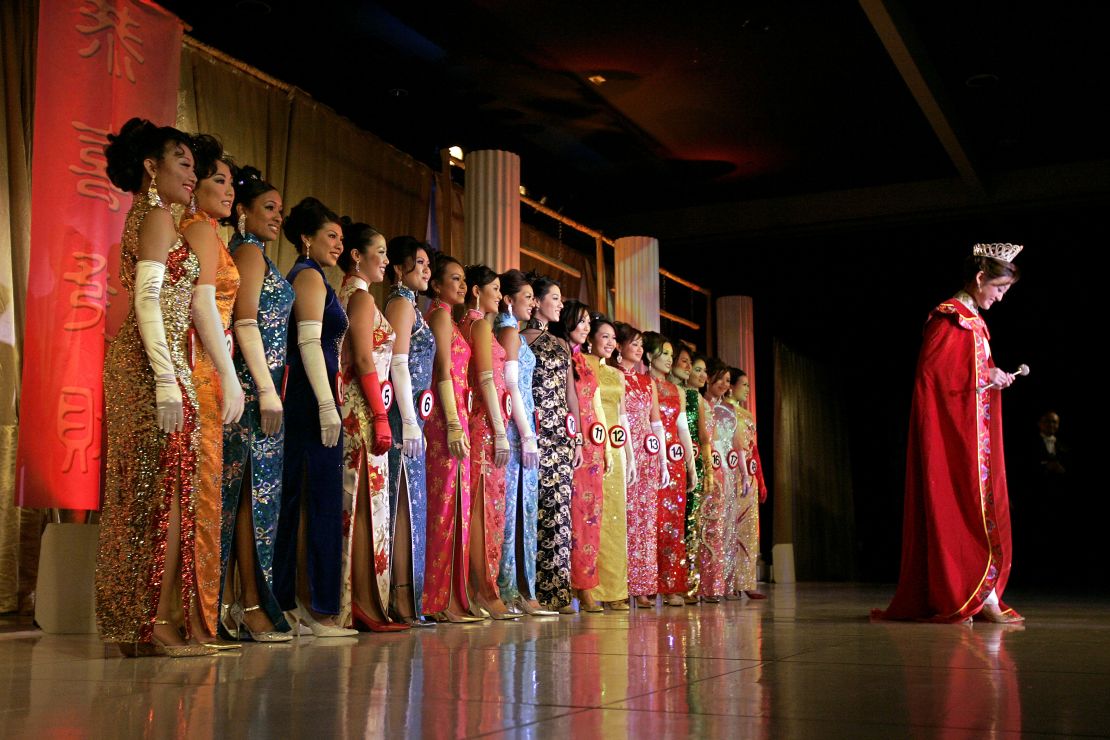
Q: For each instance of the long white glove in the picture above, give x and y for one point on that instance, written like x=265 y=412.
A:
x=630 y=473
x=493 y=408
x=657 y=430
x=457 y=443
x=688 y=447
x=530 y=451
x=312 y=355
x=168 y=408
x=599 y=414
x=254 y=352
x=412 y=440
x=206 y=321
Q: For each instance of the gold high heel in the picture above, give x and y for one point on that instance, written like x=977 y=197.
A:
x=239 y=615
x=520 y=603
x=179 y=651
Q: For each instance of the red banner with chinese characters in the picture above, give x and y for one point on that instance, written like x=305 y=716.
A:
x=98 y=63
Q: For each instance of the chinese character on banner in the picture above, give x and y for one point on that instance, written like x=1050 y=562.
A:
x=93 y=179
x=78 y=427
x=117 y=29
x=89 y=293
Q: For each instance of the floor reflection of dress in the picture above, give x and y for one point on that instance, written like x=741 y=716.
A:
x=976 y=693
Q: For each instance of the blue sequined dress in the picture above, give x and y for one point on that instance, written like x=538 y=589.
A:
x=521 y=490
x=249 y=455
x=422 y=352
x=311 y=470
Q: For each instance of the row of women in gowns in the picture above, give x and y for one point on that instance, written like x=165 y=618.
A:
x=287 y=458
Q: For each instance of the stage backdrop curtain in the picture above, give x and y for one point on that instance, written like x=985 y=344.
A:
x=354 y=173
x=581 y=287
x=250 y=117
x=17 y=85
x=813 y=483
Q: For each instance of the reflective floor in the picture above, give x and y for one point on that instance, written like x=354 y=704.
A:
x=804 y=663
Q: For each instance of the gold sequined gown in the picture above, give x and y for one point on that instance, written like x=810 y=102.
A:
x=210 y=467
x=145 y=466
x=747 y=521
x=612 y=559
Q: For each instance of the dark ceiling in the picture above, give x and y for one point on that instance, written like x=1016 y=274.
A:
x=703 y=105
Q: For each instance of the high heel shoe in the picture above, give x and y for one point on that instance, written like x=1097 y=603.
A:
x=643 y=602
x=444 y=617
x=399 y=618
x=992 y=613
x=520 y=603
x=239 y=616
x=318 y=629
x=617 y=606
x=361 y=618
x=755 y=595
x=674 y=600
x=179 y=651
x=502 y=616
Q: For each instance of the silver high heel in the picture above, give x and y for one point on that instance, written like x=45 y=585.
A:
x=318 y=629
x=520 y=603
x=239 y=616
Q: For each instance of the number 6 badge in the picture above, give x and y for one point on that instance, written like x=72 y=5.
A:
x=427 y=403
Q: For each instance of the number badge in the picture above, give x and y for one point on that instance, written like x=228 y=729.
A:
x=427 y=403
x=571 y=425
x=733 y=459
x=387 y=395
x=340 y=389
x=618 y=437
x=675 y=452
x=651 y=444
x=597 y=434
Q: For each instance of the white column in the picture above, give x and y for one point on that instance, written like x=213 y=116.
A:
x=736 y=337
x=637 y=282
x=491 y=208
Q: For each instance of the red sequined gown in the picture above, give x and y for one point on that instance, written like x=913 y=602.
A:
x=672 y=499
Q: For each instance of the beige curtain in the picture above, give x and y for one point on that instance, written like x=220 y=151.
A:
x=579 y=284
x=354 y=173
x=17 y=57
x=813 y=501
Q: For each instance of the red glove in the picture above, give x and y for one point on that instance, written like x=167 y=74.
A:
x=372 y=389
x=759 y=475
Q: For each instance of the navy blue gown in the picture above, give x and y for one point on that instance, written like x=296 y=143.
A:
x=311 y=472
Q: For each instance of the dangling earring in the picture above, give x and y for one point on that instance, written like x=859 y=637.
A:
x=152 y=195
x=241 y=227
x=193 y=205
x=305 y=250
x=358 y=269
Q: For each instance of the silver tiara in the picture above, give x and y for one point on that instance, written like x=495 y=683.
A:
x=1005 y=252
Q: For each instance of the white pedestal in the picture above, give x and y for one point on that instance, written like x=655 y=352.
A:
x=782 y=563
x=65 y=602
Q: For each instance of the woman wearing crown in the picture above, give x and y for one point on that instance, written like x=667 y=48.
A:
x=956 y=522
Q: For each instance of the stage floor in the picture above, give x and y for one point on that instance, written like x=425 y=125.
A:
x=804 y=663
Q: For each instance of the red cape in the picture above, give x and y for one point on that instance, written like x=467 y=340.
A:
x=956 y=522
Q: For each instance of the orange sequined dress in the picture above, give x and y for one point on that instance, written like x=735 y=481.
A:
x=145 y=466
x=210 y=465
